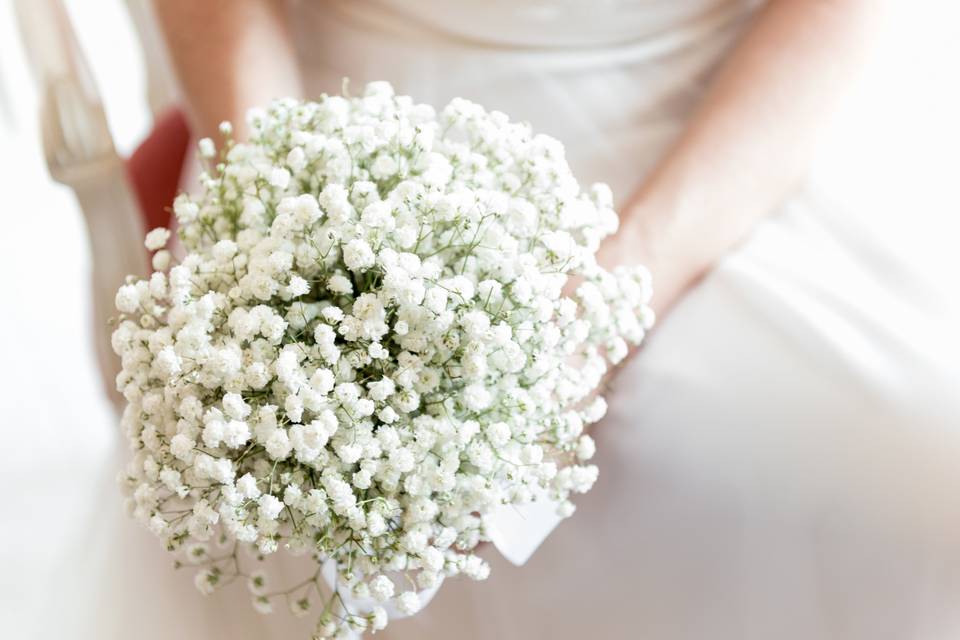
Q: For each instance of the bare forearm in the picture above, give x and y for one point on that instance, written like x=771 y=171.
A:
x=751 y=139
x=230 y=55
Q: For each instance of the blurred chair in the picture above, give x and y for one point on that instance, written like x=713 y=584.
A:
x=120 y=199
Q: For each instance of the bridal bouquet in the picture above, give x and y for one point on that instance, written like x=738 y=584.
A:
x=366 y=350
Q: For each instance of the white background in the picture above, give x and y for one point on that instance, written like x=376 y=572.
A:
x=894 y=157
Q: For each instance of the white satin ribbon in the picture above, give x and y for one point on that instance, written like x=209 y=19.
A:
x=517 y=531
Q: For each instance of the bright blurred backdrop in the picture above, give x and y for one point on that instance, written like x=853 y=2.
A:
x=892 y=157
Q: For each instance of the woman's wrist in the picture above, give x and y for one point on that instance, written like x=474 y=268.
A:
x=649 y=234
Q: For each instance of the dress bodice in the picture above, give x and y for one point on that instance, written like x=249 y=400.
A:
x=552 y=23
x=612 y=79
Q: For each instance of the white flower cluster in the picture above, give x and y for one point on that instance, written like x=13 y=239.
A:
x=367 y=348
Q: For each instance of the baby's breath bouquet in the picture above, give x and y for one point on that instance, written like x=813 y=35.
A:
x=366 y=350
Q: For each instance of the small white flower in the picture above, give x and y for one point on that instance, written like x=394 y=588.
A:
x=161 y=260
x=270 y=507
x=157 y=238
x=585 y=448
x=206 y=581
x=297 y=287
x=565 y=509
x=207 y=148
x=498 y=433
x=476 y=568
x=185 y=209
x=349 y=453
x=296 y=159
x=224 y=251
x=128 y=299
x=381 y=389
x=279 y=178
x=381 y=588
x=292 y=495
x=300 y=607
x=262 y=605
x=168 y=362
x=408 y=603
x=213 y=433
x=278 y=444
x=257 y=582
x=378 y=619
x=235 y=407
x=181 y=446
x=476 y=397
x=357 y=255
x=158 y=526
x=197 y=553
x=247 y=485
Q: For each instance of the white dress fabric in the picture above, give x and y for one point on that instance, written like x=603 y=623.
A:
x=782 y=459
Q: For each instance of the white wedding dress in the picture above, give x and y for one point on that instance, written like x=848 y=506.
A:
x=780 y=461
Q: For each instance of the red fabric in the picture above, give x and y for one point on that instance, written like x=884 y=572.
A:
x=154 y=168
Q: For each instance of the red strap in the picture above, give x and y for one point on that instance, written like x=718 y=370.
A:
x=154 y=168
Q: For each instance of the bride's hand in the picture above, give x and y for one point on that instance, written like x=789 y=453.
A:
x=643 y=238
x=747 y=144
